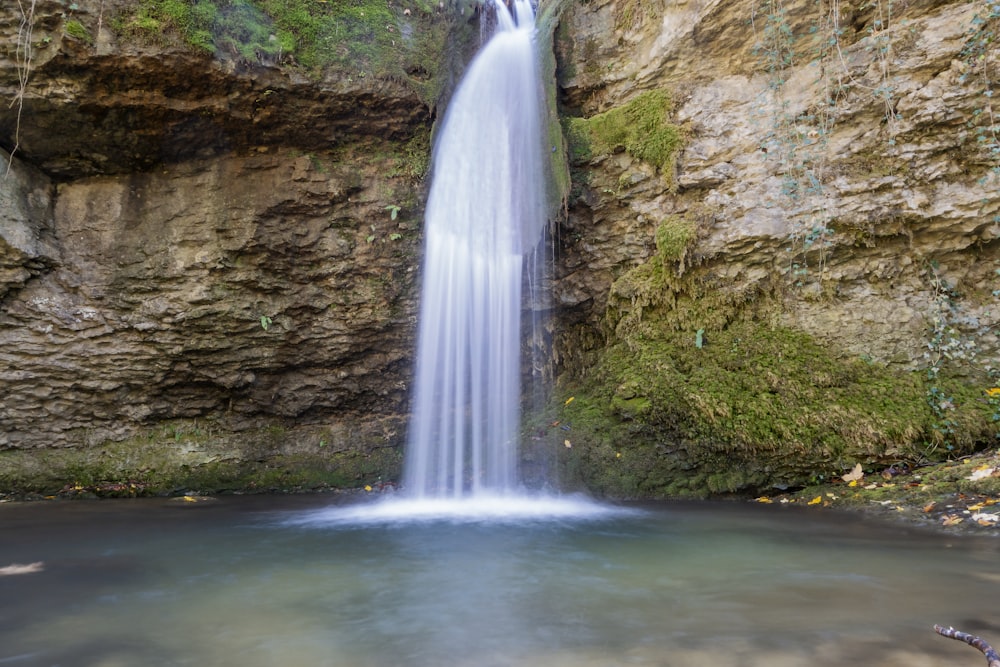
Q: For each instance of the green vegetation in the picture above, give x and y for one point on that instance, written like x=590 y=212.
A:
x=674 y=236
x=361 y=37
x=182 y=456
x=74 y=28
x=639 y=127
x=700 y=391
x=756 y=406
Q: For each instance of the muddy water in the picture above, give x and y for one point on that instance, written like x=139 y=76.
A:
x=245 y=581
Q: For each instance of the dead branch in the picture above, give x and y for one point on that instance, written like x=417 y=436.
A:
x=992 y=657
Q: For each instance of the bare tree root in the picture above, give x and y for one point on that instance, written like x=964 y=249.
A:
x=992 y=657
x=22 y=58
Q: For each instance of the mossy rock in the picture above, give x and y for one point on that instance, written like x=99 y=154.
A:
x=756 y=407
x=177 y=457
x=639 y=127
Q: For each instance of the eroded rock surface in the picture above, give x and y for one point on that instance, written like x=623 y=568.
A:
x=207 y=258
x=840 y=173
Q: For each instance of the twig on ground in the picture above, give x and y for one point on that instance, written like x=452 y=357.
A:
x=992 y=657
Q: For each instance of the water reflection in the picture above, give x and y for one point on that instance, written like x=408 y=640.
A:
x=234 y=582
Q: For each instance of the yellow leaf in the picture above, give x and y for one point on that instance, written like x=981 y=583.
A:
x=570 y=400
x=190 y=499
x=855 y=475
x=764 y=499
x=618 y=455
x=853 y=482
x=368 y=487
x=976 y=507
x=567 y=443
x=816 y=501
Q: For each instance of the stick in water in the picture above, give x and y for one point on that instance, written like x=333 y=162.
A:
x=992 y=657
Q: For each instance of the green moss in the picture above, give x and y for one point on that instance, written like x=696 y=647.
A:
x=183 y=456
x=412 y=159
x=558 y=173
x=362 y=38
x=74 y=28
x=699 y=391
x=674 y=235
x=639 y=127
x=757 y=405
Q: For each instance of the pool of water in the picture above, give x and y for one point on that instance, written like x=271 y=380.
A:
x=290 y=581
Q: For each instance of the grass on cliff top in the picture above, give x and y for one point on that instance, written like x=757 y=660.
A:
x=366 y=37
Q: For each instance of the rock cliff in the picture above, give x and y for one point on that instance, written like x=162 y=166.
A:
x=208 y=257
x=777 y=257
x=810 y=278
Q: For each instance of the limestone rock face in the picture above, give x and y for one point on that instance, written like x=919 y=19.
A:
x=848 y=170
x=155 y=302
x=210 y=260
x=841 y=169
x=206 y=254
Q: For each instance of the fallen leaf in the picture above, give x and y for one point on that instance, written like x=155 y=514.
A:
x=981 y=473
x=618 y=455
x=816 y=501
x=852 y=483
x=567 y=443
x=570 y=400
x=951 y=520
x=871 y=486
x=368 y=487
x=976 y=507
x=986 y=518
x=764 y=499
x=855 y=475
x=929 y=506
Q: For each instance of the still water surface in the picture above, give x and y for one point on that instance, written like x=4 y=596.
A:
x=254 y=581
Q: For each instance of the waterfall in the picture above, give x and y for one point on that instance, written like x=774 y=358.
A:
x=485 y=213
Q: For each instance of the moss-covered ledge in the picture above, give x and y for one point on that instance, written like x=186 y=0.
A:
x=207 y=457
x=699 y=390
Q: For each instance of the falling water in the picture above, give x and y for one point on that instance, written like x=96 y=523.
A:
x=485 y=213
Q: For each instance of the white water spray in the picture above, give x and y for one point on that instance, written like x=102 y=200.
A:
x=485 y=212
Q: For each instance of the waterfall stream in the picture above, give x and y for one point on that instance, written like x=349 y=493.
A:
x=485 y=213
